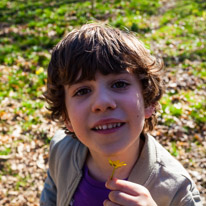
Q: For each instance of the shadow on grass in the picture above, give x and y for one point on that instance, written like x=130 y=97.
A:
x=195 y=55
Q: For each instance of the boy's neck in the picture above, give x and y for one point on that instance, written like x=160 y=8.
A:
x=100 y=169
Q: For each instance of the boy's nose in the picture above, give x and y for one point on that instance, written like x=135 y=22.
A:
x=103 y=102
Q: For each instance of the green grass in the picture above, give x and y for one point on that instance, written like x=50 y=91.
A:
x=22 y=182
x=5 y=151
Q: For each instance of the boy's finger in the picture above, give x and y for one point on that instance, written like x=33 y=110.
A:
x=126 y=186
x=109 y=203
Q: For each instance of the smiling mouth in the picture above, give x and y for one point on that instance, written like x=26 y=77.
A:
x=108 y=126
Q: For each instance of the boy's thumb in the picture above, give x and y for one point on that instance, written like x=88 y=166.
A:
x=110 y=183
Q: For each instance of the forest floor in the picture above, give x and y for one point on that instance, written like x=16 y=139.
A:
x=173 y=30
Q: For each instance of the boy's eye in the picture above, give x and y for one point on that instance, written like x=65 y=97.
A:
x=120 y=84
x=82 y=91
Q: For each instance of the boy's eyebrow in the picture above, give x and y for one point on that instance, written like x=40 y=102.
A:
x=126 y=71
x=76 y=82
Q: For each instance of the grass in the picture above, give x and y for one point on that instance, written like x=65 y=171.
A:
x=5 y=151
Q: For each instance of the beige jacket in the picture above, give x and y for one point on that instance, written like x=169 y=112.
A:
x=165 y=178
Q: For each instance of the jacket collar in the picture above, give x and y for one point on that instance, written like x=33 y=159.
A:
x=145 y=165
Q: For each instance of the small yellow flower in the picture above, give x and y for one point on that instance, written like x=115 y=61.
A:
x=116 y=164
x=40 y=70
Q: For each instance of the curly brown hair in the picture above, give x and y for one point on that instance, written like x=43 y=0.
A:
x=96 y=47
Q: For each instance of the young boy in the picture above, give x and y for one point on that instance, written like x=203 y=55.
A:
x=105 y=87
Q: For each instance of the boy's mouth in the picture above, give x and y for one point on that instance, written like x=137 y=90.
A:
x=108 y=126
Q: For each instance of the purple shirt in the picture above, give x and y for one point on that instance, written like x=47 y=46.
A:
x=90 y=192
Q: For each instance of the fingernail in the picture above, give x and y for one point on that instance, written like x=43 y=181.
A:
x=105 y=202
x=107 y=183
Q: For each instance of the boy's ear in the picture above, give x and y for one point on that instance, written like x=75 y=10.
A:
x=149 y=111
x=68 y=125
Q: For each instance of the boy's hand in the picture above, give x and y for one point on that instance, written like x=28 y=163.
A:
x=126 y=193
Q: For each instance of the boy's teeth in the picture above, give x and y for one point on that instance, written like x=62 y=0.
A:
x=108 y=126
x=104 y=127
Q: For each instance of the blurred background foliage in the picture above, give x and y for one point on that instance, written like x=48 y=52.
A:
x=29 y=29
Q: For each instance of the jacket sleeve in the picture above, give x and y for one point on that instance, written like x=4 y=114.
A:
x=48 y=195
x=191 y=198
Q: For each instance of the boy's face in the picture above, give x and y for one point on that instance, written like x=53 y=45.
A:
x=107 y=114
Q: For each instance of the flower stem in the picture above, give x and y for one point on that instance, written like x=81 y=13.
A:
x=112 y=173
